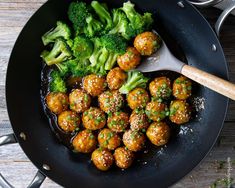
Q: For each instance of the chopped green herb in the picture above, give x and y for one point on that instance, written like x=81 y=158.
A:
x=118 y=113
x=101 y=135
x=147 y=112
x=164 y=86
x=106 y=142
x=167 y=113
x=160 y=100
x=154 y=112
x=110 y=135
x=173 y=111
x=91 y=136
x=177 y=81
x=189 y=88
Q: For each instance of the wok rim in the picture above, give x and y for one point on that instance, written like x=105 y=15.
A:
x=43 y=171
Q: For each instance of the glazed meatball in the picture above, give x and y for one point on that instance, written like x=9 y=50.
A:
x=123 y=157
x=134 y=140
x=93 y=119
x=160 y=88
x=57 y=102
x=116 y=78
x=94 y=84
x=68 y=121
x=111 y=101
x=182 y=88
x=137 y=98
x=139 y=120
x=84 y=141
x=118 y=121
x=102 y=159
x=129 y=60
x=158 y=133
x=79 y=100
x=109 y=139
x=147 y=43
x=156 y=111
x=180 y=112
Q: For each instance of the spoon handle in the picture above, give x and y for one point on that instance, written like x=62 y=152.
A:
x=213 y=82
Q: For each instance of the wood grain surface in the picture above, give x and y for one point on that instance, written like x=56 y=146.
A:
x=17 y=168
x=213 y=82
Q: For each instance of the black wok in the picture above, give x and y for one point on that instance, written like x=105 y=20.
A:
x=181 y=27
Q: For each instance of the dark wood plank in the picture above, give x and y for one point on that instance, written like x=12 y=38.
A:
x=17 y=168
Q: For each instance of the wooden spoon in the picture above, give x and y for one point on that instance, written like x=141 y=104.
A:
x=163 y=59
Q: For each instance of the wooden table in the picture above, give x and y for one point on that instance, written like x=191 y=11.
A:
x=16 y=167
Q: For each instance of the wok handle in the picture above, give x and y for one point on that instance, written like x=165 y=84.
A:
x=38 y=178
x=213 y=82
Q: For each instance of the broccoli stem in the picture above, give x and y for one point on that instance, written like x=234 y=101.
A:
x=111 y=61
x=58 y=54
x=135 y=79
x=102 y=13
x=61 y=30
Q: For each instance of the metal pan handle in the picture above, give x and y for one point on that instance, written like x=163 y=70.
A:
x=229 y=6
x=38 y=178
x=205 y=3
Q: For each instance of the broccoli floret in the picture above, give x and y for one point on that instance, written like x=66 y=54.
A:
x=57 y=84
x=83 y=20
x=77 y=13
x=78 y=67
x=102 y=12
x=61 y=30
x=59 y=53
x=82 y=48
x=63 y=68
x=93 y=27
x=121 y=25
x=134 y=79
x=105 y=53
x=138 y=22
x=114 y=43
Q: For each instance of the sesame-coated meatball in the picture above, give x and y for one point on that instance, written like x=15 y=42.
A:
x=160 y=88
x=84 y=141
x=180 y=112
x=57 y=102
x=156 y=111
x=109 y=139
x=116 y=78
x=79 y=100
x=123 y=157
x=129 y=60
x=139 y=120
x=93 y=119
x=68 y=121
x=134 y=140
x=158 y=133
x=118 y=121
x=94 y=84
x=102 y=159
x=147 y=43
x=111 y=101
x=137 y=98
x=182 y=88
